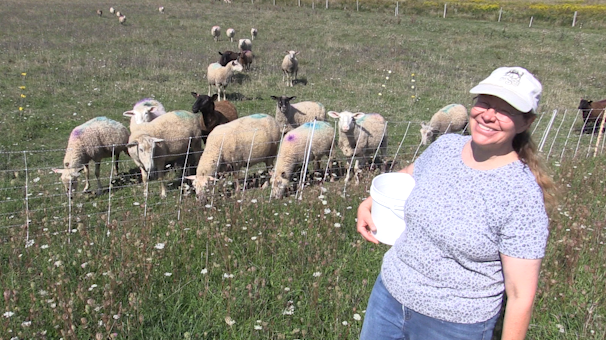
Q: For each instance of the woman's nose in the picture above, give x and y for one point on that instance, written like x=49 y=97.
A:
x=490 y=114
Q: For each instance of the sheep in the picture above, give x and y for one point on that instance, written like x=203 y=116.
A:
x=246 y=59
x=215 y=31
x=314 y=137
x=241 y=143
x=220 y=76
x=94 y=140
x=228 y=56
x=112 y=10
x=245 y=44
x=290 y=67
x=118 y=14
x=152 y=145
x=144 y=111
x=290 y=116
x=592 y=112
x=450 y=118
x=253 y=33
x=122 y=19
x=360 y=136
x=230 y=33
x=213 y=113
x=99 y=12
x=161 y=9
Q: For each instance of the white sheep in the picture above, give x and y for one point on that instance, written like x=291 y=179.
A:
x=290 y=67
x=450 y=118
x=314 y=139
x=161 y=9
x=122 y=19
x=253 y=33
x=240 y=143
x=94 y=140
x=220 y=76
x=230 y=34
x=145 y=111
x=290 y=116
x=99 y=12
x=245 y=44
x=167 y=138
x=361 y=135
x=215 y=31
x=118 y=14
x=112 y=10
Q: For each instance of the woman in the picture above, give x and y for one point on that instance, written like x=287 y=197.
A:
x=476 y=226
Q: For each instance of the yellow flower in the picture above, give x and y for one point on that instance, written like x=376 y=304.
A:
x=380 y=94
x=22 y=95
x=22 y=87
x=23 y=74
x=412 y=96
x=412 y=75
x=20 y=108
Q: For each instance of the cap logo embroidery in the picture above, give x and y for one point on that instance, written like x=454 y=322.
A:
x=512 y=77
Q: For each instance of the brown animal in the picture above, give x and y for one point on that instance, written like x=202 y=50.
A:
x=214 y=113
x=592 y=113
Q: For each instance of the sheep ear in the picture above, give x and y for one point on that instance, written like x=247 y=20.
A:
x=333 y=114
x=194 y=93
x=214 y=97
x=220 y=53
x=358 y=115
x=191 y=178
x=297 y=52
x=291 y=98
x=157 y=140
x=128 y=113
x=132 y=144
x=274 y=98
x=59 y=171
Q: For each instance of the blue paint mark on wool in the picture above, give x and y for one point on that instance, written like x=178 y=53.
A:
x=448 y=107
x=146 y=102
x=316 y=126
x=183 y=114
x=258 y=115
x=214 y=66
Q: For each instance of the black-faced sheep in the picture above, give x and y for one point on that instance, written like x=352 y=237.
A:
x=220 y=76
x=94 y=140
x=592 y=112
x=450 y=118
x=290 y=67
x=228 y=56
x=361 y=135
x=213 y=113
x=241 y=143
x=290 y=116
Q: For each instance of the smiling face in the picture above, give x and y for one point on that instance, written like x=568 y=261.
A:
x=494 y=123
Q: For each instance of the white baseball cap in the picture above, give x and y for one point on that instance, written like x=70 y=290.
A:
x=514 y=85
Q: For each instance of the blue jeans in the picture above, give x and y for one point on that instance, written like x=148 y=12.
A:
x=387 y=319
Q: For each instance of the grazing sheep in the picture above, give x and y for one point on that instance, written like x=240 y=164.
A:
x=314 y=137
x=94 y=140
x=592 y=112
x=245 y=44
x=253 y=33
x=152 y=145
x=246 y=59
x=220 y=76
x=215 y=31
x=112 y=10
x=213 y=113
x=290 y=116
x=361 y=135
x=144 y=111
x=122 y=19
x=450 y=118
x=99 y=12
x=230 y=34
x=161 y=9
x=228 y=56
x=118 y=14
x=290 y=67
x=241 y=143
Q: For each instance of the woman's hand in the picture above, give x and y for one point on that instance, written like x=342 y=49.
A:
x=365 y=225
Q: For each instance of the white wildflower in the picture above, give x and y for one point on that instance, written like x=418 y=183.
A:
x=337 y=225
x=8 y=314
x=159 y=246
x=317 y=274
x=93 y=286
x=168 y=274
x=229 y=321
x=29 y=243
x=26 y=323
x=58 y=263
x=357 y=317
x=204 y=271
x=344 y=323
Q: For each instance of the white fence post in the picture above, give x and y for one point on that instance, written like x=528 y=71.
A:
x=27 y=198
x=326 y=4
x=397 y=7
x=183 y=178
x=109 y=189
x=357 y=5
x=444 y=16
x=500 y=13
x=530 y=25
x=574 y=19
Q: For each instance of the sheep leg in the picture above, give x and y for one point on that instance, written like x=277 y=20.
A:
x=86 y=185
x=97 y=173
x=209 y=90
x=283 y=75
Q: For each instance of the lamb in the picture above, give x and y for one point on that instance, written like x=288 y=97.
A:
x=450 y=118
x=228 y=56
x=152 y=145
x=315 y=137
x=220 y=76
x=241 y=143
x=592 y=112
x=245 y=44
x=94 y=140
x=161 y=9
x=112 y=10
x=253 y=33
x=118 y=14
x=122 y=19
x=230 y=33
x=213 y=113
x=360 y=136
x=99 y=12
x=246 y=59
x=215 y=31
x=290 y=67
x=145 y=111
x=290 y=116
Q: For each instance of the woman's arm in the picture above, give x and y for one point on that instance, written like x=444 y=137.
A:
x=521 y=279
x=365 y=225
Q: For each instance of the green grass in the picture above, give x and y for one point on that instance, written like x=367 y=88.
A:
x=94 y=270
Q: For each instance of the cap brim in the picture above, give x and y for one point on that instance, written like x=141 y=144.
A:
x=504 y=93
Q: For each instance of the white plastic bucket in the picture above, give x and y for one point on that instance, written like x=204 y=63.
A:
x=389 y=193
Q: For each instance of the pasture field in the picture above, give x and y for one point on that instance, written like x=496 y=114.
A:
x=242 y=266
